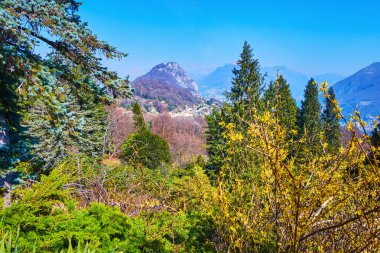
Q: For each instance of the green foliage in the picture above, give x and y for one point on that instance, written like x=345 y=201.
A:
x=50 y=219
x=278 y=98
x=244 y=98
x=104 y=228
x=27 y=24
x=330 y=120
x=57 y=98
x=47 y=216
x=7 y=242
x=147 y=149
x=247 y=81
x=216 y=143
x=182 y=232
x=15 y=140
x=246 y=90
x=63 y=122
x=138 y=118
x=309 y=120
x=143 y=147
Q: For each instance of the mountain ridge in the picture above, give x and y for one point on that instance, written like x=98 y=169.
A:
x=219 y=80
x=361 y=90
x=170 y=83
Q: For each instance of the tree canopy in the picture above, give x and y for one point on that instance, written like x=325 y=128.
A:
x=279 y=98
x=55 y=100
x=309 y=118
x=330 y=121
x=25 y=25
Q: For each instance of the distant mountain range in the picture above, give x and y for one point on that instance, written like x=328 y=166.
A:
x=219 y=81
x=169 y=83
x=362 y=89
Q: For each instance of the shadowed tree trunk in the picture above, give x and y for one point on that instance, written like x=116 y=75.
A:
x=4 y=135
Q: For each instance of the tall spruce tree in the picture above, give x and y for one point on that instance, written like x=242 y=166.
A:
x=330 y=121
x=246 y=83
x=309 y=118
x=243 y=99
x=216 y=142
x=285 y=105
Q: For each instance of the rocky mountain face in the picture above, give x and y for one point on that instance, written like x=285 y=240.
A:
x=361 y=90
x=168 y=82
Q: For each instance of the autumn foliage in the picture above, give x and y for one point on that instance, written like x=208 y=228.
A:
x=185 y=135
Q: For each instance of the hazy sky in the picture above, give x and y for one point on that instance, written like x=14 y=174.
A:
x=311 y=37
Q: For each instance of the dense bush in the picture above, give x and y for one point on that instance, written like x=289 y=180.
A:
x=146 y=148
x=51 y=214
x=48 y=218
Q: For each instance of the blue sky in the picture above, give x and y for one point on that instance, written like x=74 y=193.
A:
x=311 y=37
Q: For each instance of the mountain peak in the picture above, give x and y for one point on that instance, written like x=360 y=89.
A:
x=170 y=83
x=173 y=74
x=168 y=66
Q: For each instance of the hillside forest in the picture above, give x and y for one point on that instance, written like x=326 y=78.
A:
x=82 y=173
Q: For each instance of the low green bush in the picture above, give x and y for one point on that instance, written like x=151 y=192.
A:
x=146 y=148
x=47 y=217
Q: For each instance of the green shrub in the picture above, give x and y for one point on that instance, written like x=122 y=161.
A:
x=146 y=148
x=49 y=220
x=46 y=217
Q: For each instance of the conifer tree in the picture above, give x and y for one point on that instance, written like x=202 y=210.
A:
x=144 y=147
x=375 y=143
x=61 y=123
x=27 y=79
x=285 y=105
x=56 y=24
x=246 y=83
x=330 y=121
x=375 y=137
x=216 y=142
x=15 y=141
x=138 y=118
x=309 y=119
x=243 y=100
